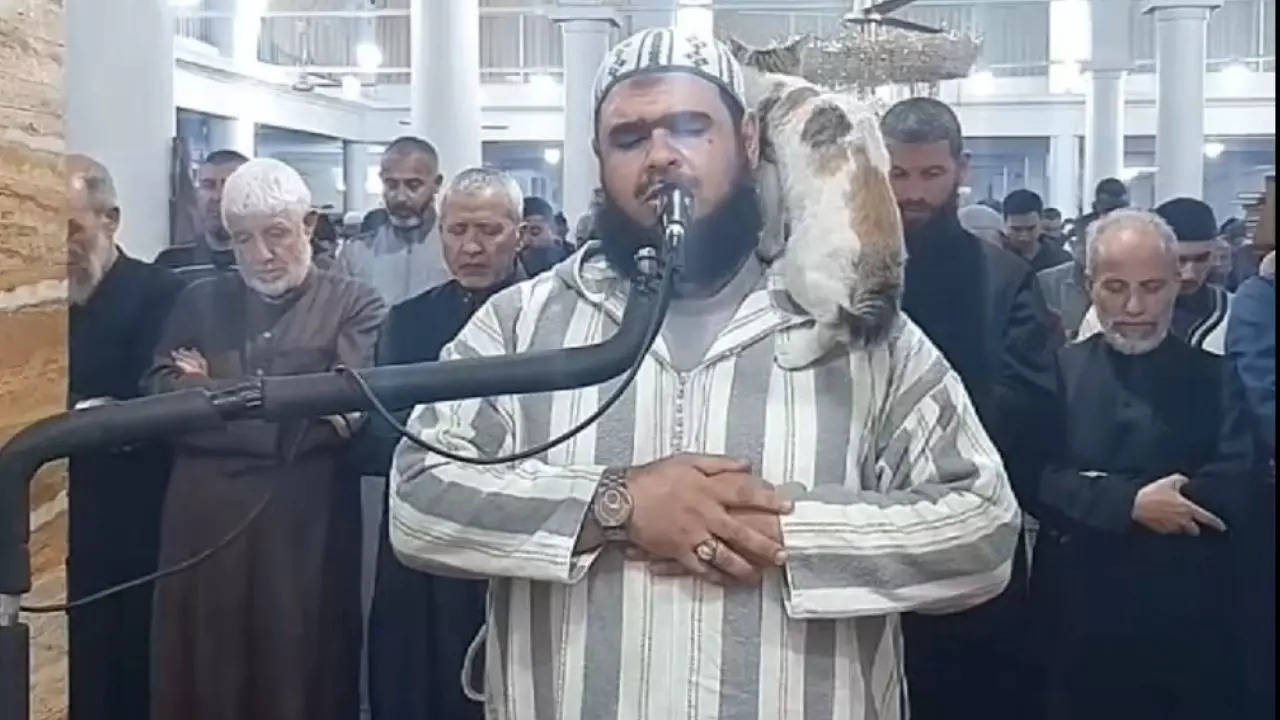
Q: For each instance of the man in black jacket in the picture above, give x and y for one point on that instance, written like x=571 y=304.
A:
x=118 y=307
x=980 y=305
x=421 y=625
x=1156 y=461
x=211 y=253
x=1023 y=235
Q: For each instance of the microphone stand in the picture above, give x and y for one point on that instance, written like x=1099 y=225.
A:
x=281 y=398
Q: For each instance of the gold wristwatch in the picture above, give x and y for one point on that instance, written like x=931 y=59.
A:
x=611 y=506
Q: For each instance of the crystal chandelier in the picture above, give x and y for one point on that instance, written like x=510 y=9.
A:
x=863 y=60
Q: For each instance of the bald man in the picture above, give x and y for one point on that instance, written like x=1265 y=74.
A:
x=401 y=258
x=118 y=305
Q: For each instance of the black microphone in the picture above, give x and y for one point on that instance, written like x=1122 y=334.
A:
x=675 y=215
x=676 y=211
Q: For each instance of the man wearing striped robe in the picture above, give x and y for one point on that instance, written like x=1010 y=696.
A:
x=731 y=540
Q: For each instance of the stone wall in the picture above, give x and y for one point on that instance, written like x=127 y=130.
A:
x=32 y=291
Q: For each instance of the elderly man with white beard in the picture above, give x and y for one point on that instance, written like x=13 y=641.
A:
x=118 y=308
x=268 y=627
x=1129 y=577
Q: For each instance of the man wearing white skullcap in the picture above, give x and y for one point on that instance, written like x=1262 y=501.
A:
x=268 y=627
x=731 y=540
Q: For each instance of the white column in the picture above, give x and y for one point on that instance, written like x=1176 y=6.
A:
x=445 y=87
x=119 y=92
x=1064 y=174
x=586 y=42
x=237 y=134
x=1181 y=29
x=355 y=170
x=246 y=29
x=1104 y=103
x=222 y=28
x=1104 y=126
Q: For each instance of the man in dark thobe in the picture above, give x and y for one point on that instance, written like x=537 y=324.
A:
x=1131 y=572
x=421 y=625
x=118 y=307
x=980 y=305
x=268 y=627
x=211 y=253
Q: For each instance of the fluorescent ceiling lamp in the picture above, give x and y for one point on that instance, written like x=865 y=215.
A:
x=547 y=88
x=983 y=82
x=696 y=17
x=553 y=155
x=368 y=56
x=1213 y=149
x=1070 y=36
x=1236 y=76
x=184 y=4
x=1128 y=174
x=351 y=87
x=1066 y=77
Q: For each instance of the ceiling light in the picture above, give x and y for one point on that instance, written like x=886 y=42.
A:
x=184 y=4
x=368 y=56
x=553 y=155
x=1128 y=174
x=351 y=87
x=1236 y=76
x=983 y=82
x=1066 y=77
x=546 y=88
x=1213 y=149
x=695 y=17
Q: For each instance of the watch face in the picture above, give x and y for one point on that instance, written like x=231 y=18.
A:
x=613 y=507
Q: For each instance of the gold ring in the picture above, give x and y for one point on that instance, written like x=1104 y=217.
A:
x=707 y=550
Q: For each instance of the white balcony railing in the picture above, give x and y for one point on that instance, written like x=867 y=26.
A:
x=518 y=42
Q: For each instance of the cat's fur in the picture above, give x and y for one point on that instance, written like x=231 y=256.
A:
x=829 y=209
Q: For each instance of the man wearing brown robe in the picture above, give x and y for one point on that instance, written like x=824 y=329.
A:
x=268 y=627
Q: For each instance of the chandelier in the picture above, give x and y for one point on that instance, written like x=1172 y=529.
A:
x=863 y=60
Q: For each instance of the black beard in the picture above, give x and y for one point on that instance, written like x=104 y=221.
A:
x=714 y=248
x=949 y=208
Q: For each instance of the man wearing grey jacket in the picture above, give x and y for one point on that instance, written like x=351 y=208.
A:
x=401 y=258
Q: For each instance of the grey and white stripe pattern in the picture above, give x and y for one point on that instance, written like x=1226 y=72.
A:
x=901 y=504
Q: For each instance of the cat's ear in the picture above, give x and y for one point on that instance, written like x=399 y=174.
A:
x=739 y=49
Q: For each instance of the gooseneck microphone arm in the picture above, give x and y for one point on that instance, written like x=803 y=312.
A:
x=298 y=396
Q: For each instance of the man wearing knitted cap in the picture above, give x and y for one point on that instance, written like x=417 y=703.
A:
x=731 y=540
x=268 y=627
x=1201 y=311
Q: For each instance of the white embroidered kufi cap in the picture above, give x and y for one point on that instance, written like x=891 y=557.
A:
x=669 y=50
